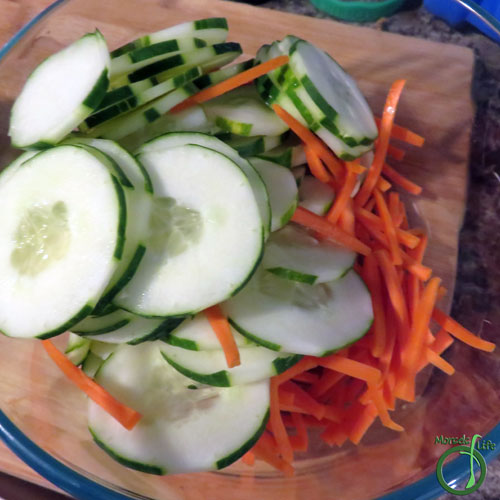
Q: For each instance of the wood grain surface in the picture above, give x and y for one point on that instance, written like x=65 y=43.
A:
x=436 y=102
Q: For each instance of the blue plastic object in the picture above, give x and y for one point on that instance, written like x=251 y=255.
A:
x=486 y=13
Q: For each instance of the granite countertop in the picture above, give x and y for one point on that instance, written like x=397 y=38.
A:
x=478 y=278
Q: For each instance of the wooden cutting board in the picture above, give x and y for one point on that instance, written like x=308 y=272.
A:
x=436 y=102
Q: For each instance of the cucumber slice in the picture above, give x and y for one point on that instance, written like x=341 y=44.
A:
x=316 y=196
x=242 y=112
x=287 y=155
x=208 y=58
x=91 y=364
x=138 y=58
x=102 y=349
x=182 y=430
x=211 y=30
x=206 y=234
x=122 y=327
x=282 y=189
x=131 y=122
x=77 y=349
x=252 y=146
x=138 y=202
x=209 y=79
x=45 y=112
x=258 y=187
x=295 y=250
x=66 y=239
x=192 y=119
x=210 y=367
x=139 y=93
x=295 y=317
x=10 y=169
x=197 y=335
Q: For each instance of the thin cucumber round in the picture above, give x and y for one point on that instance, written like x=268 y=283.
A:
x=91 y=364
x=63 y=240
x=206 y=234
x=196 y=334
x=288 y=155
x=209 y=79
x=137 y=97
x=294 y=250
x=211 y=30
x=296 y=317
x=129 y=123
x=252 y=146
x=122 y=327
x=192 y=119
x=138 y=202
x=315 y=195
x=208 y=58
x=210 y=367
x=256 y=182
x=77 y=349
x=102 y=349
x=182 y=429
x=10 y=169
x=282 y=189
x=138 y=58
x=242 y=112
x=61 y=92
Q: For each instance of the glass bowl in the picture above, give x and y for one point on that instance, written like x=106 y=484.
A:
x=44 y=417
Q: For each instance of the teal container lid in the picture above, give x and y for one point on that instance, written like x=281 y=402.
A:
x=358 y=11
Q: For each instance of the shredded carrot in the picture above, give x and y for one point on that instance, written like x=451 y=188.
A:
x=307 y=377
x=396 y=153
x=235 y=81
x=265 y=449
x=300 y=441
x=327 y=380
x=286 y=398
x=461 y=333
x=122 y=413
x=305 y=364
x=343 y=196
x=277 y=425
x=383 y=184
x=374 y=284
x=389 y=228
x=401 y=180
x=248 y=458
x=305 y=401
x=316 y=165
x=347 y=221
x=383 y=143
x=383 y=413
x=350 y=367
x=393 y=204
x=362 y=423
x=222 y=329
x=442 y=341
x=404 y=134
x=439 y=362
x=313 y=141
x=319 y=224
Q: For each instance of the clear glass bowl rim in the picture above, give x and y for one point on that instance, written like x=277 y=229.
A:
x=83 y=488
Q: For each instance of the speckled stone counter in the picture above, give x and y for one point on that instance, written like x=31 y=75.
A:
x=478 y=280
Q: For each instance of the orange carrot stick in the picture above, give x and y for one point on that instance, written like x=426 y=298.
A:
x=305 y=364
x=277 y=425
x=238 y=80
x=327 y=380
x=316 y=165
x=383 y=184
x=350 y=367
x=401 y=180
x=300 y=441
x=248 y=458
x=319 y=224
x=265 y=449
x=396 y=153
x=307 y=377
x=347 y=221
x=461 y=333
x=362 y=423
x=383 y=143
x=343 y=196
x=389 y=228
x=122 y=413
x=305 y=401
x=313 y=141
x=378 y=400
x=222 y=329
x=404 y=134
x=393 y=204
x=435 y=359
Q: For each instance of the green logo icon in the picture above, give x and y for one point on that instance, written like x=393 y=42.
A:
x=475 y=457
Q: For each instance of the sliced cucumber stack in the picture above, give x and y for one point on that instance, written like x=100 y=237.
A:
x=183 y=138
x=181 y=430
x=209 y=79
x=315 y=195
x=252 y=146
x=197 y=334
x=210 y=367
x=199 y=252
x=61 y=92
x=282 y=189
x=288 y=316
x=294 y=253
x=242 y=112
x=211 y=30
x=77 y=349
x=288 y=155
x=66 y=239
